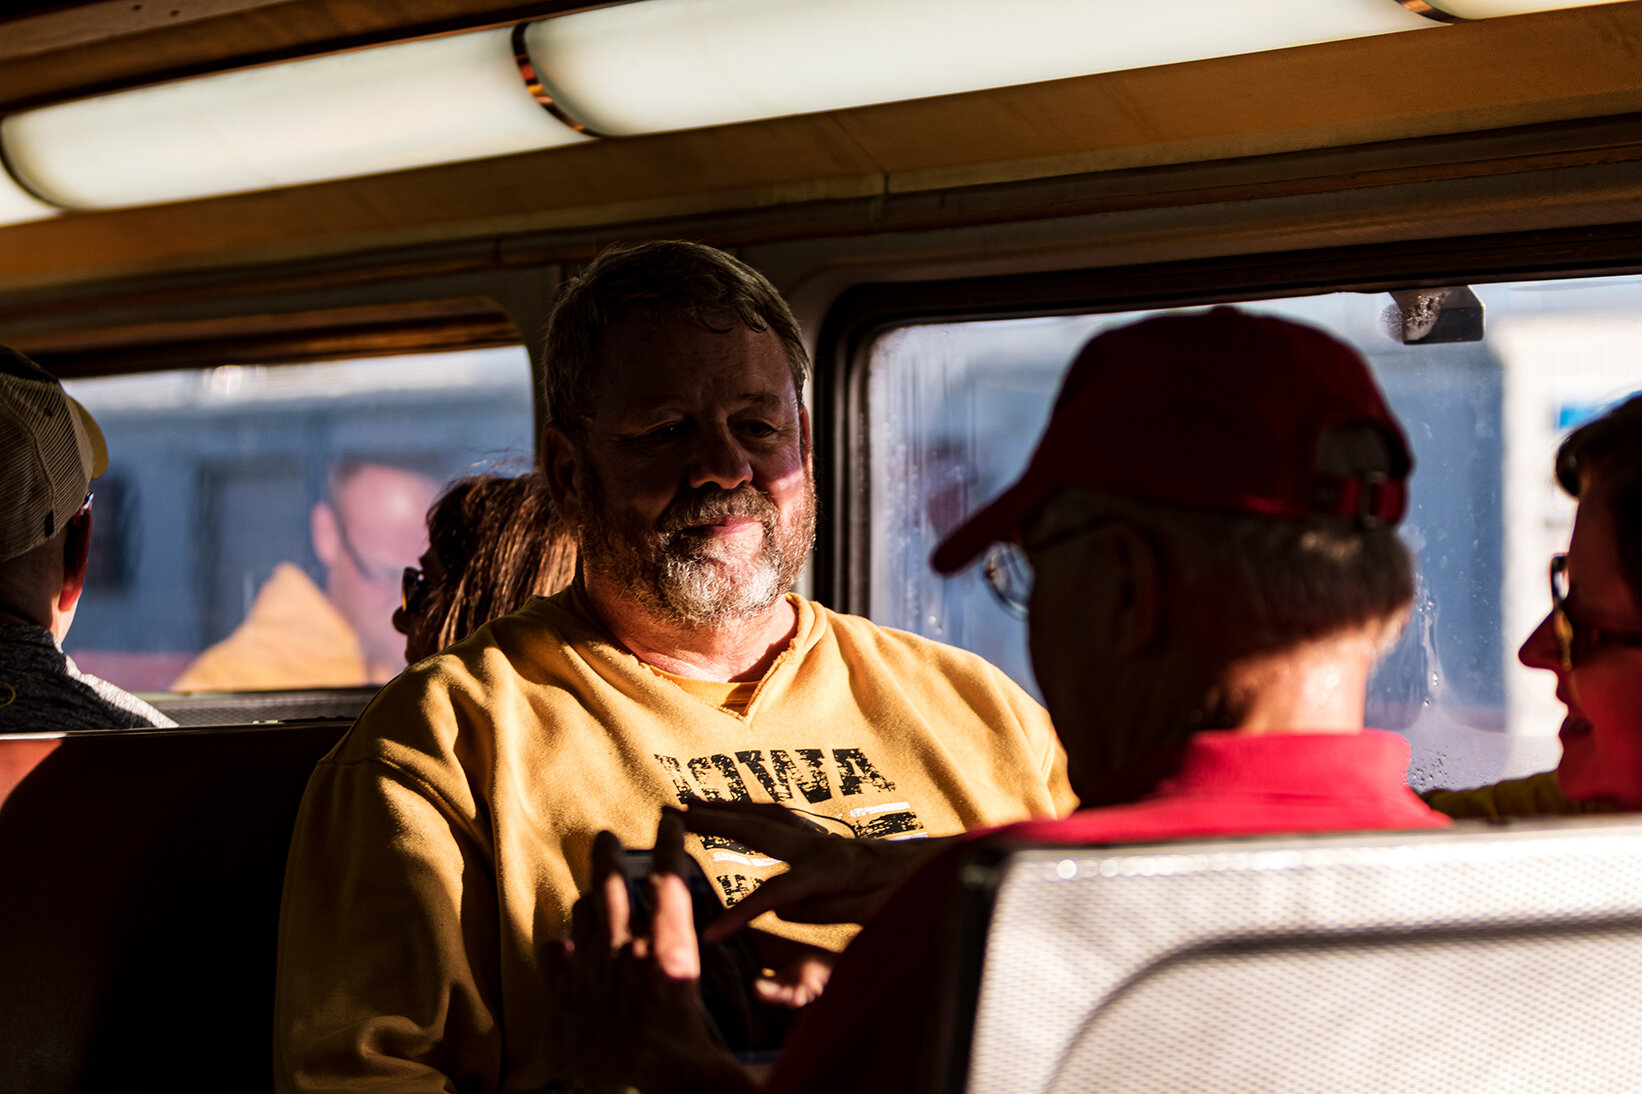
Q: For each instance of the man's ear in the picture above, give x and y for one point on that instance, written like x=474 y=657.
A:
x=561 y=466
x=807 y=446
x=76 y=559
x=325 y=534
x=1137 y=594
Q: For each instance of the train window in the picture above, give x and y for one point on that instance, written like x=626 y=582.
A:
x=952 y=411
x=276 y=507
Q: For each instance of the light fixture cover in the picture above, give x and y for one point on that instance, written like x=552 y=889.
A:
x=660 y=65
x=387 y=108
x=17 y=205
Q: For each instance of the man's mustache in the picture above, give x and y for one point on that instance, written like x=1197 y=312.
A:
x=712 y=505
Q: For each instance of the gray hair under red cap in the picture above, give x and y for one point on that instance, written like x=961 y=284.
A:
x=1219 y=410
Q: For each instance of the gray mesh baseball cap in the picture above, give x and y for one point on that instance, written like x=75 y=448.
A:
x=50 y=450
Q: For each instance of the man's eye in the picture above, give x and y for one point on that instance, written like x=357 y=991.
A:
x=663 y=432
x=758 y=429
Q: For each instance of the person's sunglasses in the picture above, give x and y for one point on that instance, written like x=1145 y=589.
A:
x=411 y=583
x=1577 y=640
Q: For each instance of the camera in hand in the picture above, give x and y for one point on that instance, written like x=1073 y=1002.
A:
x=753 y=1030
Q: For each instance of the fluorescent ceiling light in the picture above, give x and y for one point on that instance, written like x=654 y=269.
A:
x=18 y=205
x=641 y=67
x=659 y=65
x=359 y=113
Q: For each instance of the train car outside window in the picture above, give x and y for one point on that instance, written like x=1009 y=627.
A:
x=276 y=507
x=1486 y=393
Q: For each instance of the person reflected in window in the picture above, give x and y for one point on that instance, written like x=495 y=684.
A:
x=50 y=450
x=1591 y=639
x=366 y=530
x=493 y=543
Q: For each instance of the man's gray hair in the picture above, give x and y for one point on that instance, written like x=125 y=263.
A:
x=667 y=278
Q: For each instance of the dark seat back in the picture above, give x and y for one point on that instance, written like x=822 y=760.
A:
x=141 y=874
x=1482 y=958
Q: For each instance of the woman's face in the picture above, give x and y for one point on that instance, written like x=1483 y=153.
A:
x=1602 y=734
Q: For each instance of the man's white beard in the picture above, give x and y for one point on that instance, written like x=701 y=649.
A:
x=700 y=581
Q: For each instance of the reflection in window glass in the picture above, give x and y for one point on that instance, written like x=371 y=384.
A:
x=255 y=521
x=952 y=412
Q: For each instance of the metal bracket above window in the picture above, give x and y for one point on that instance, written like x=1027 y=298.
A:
x=1423 y=317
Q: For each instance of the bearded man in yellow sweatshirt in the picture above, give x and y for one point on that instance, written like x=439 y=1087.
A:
x=441 y=846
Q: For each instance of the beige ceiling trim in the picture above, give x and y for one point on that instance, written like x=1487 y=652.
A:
x=83 y=24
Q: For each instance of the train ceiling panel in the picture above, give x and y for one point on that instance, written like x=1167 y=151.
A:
x=1560 y=90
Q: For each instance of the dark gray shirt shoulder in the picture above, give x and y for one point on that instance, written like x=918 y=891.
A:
x=42 y=690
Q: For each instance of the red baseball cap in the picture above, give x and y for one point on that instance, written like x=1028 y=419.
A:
x=1216 y=410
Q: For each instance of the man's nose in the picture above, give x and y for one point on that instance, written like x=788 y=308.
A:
x=718 y=459
x=1541 y=650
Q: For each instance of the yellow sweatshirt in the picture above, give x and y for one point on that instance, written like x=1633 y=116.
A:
x=444 y=840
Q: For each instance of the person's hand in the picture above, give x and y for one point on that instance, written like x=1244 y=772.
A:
x=795 y=973
x=624 y=1008
x=830 y=879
